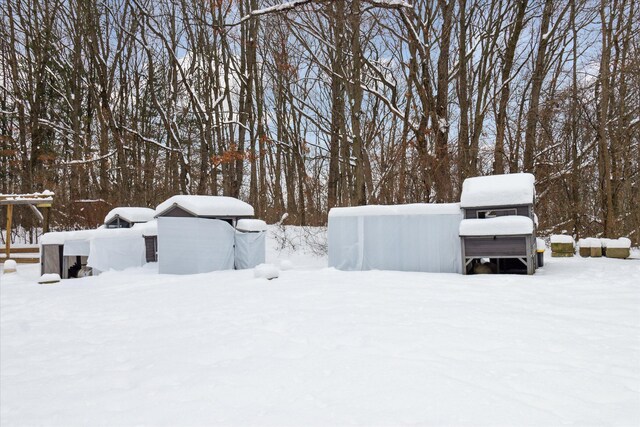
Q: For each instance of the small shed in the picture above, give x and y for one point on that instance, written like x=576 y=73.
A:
x=413 y=237
x=126 y=217
x=499 y=222
x=196 y=234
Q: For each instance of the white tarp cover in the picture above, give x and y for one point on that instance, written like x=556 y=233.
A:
x=76 y=247
x=117 y=252
x=250 y=249
x=194 y=245
x=404 y=242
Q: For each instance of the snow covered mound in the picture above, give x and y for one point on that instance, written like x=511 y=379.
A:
x=266 y=271
x=324 y=347
x=498 y=190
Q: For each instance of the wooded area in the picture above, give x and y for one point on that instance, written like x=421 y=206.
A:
x=299 y=107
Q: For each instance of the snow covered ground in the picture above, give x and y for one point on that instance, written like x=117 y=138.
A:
x=319 y=346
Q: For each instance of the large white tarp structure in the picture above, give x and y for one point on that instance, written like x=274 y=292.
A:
x=417 y=237
x=194 y=245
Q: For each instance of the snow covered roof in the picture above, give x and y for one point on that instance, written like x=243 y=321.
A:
x=500 y=226
x=206 y=206
x=130 y=214
x=251 y=225
x=498 y=190
x=410 y=209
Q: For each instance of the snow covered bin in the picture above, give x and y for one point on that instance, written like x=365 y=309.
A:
x=508 y=241
x=562 y=245
x=540 y=248
x=414 y=237
x=584 y=247
x=250 y=243
x=196 y=234
x=620 y=248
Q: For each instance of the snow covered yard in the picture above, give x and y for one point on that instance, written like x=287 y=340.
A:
x=319 y=346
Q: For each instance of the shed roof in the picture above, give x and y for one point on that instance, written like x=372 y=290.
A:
x=130 y=214
x=498 y=190
x=512 y=225
x=409 y=209
x=207 y=206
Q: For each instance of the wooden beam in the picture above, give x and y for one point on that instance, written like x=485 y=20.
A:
x=8 y=240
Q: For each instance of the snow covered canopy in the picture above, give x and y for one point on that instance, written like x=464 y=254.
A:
x=416 y=237
x=500 y=226
x=498 y=190
x=130 y=214
x=205 y=206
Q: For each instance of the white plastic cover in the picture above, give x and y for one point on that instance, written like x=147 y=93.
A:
x=194 y=245
x=117 y=252
x=250 y=249
x=76 y=247
x=428 y=243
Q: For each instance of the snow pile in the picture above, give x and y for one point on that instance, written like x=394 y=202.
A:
x=498 y=226
x=130 y=214
x=251 y=225
x=46 y=279
x=9 y=266
x=561 y=238
x=149 y=228
x=266 y=271
x=408 y=209
x=621 y=243
x=540 y=245
x=498 y=190
x=207 y=206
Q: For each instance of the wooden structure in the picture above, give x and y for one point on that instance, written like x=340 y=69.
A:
x=510 y=245
x=35 y=201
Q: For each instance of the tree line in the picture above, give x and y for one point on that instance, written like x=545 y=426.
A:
x=301 y=106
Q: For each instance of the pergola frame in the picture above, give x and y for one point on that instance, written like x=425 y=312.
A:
x=34 y=201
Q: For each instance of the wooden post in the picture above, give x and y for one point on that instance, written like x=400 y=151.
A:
x=45 y=223
x=8 y=242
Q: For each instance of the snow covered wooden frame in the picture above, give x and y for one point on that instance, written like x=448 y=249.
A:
x=35 y=201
